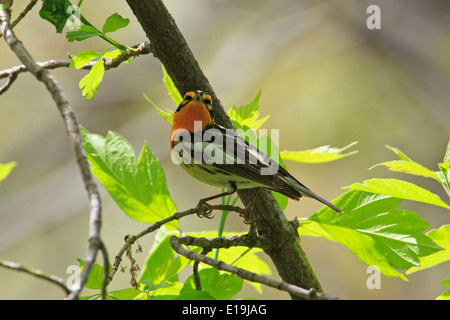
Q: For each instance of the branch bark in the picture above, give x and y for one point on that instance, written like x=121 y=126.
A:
x=281 y=240
x=13 y=73
x=293 y=290
x=36 y=273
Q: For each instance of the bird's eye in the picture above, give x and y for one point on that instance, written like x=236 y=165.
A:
x=207 y=101
x=188 y=97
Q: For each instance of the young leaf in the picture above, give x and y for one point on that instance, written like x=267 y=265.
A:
x=92 y=80
x=441 y=237
x=125 y=294
x=114 y=23
x=444 y=175
x=113 y=54
x=168 y=116
x=82 y=33
x=446 y=294
x=138 y=187
x=447 y=153
x=409 y=167
x=171 y=88
x=400 y=154
x=374 y=230
x=318 y=155
x=247 y=116
x=399 y=189
x=83 y=58
x=5 y=169
x=55 y=12
x=406 y=165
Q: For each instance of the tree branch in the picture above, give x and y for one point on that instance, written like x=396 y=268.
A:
x=72 y=128
x=311 y=294
x=170 y=47
x=12 y=73
x=130 y=240
x=36 y=273
x=23 y=14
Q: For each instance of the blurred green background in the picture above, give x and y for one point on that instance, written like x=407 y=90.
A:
x=325 y=79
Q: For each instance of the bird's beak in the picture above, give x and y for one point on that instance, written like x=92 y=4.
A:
x=198 y=98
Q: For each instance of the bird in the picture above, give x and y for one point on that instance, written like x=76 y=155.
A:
x=221 y=157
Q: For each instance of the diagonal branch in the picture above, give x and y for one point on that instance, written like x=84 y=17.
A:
x=34 y=272
x=65 y=109
x=311 y=294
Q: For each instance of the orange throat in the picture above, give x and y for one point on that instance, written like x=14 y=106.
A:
x=188 y=115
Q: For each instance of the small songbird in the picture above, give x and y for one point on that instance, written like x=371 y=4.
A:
x=221 y=157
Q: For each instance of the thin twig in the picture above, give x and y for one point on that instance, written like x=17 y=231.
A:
x=36 y=273
x=72 y=128
x=23 y=14
x=106 y=267
x=250 y=276
x=130 y=240
x=12 y=73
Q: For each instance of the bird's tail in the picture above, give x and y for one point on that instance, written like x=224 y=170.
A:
x=304 y=191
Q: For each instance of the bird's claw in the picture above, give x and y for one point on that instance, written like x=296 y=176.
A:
x=204 y=210
x=247 y=215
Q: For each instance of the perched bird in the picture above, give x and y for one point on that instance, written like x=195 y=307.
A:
x=221 y=157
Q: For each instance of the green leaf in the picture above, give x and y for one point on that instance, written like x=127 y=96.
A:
x=446 y=294
x=6 y=4
x=95 y=278
x=318 y=155
x=444 y=176
x=406 y=165
x=138 y=187
x=166 y=115
x=92 y=80
x=160 y=252
x=55 y=12
x=400 y=154
x=447 y=153
x=247 y=116
x=374 y=231
x=124 y=294
x=195 y=295
x=162 y=266
x=240 y=257
x=409 y=167
x=83 y=58
x=171 y=88
x=441 y=237
x=114 y=23
x=5 y=169
x=82 y=33
x=221 y=286
x=281 y=199
x=399 y=189
x=112 y=54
